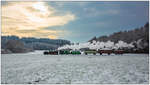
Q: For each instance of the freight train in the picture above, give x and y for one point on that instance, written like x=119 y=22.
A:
x=86 y=52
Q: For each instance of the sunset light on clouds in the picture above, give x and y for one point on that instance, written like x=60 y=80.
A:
x=74 y=21
x=28 y=19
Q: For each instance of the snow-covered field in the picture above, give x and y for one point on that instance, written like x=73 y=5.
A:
x=38 y=68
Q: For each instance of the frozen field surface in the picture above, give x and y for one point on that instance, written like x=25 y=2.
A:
x=32 y=68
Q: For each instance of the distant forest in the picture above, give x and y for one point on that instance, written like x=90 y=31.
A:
x=14 y=44
x=139 y=37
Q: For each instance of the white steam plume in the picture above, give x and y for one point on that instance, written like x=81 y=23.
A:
x=98 y=45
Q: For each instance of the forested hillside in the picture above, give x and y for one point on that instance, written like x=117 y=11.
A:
x=139 y=37
x=13 y=44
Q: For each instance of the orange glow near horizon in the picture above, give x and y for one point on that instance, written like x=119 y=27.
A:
x=29 y=19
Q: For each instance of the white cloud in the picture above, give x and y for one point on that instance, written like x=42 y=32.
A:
x=31 y=16
x=83 y=4
x=92 y=12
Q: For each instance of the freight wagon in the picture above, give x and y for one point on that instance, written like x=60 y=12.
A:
x=75 y=52
x=64 y=52
x=105 y=51
x=90 y=52
x=118 y=52
x=51 y=53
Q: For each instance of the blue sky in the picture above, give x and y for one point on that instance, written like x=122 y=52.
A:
x=102 y=18
x=98 y=18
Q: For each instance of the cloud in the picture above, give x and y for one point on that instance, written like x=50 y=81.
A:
x=101 y=24
x=31 y=18
x=92 y=12
x=53 y=34
x=83 y=4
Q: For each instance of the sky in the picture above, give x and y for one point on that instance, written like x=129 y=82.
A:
x=74 y=21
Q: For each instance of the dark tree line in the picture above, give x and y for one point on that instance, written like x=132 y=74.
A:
x=14 y=44
x=139 y=37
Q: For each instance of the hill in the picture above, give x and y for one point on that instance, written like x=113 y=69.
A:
x=29 y=43
x=139 y=37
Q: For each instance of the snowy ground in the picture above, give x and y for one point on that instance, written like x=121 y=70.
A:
x=38 y=68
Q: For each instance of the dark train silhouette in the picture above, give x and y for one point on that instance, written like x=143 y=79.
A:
x=86 y=52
